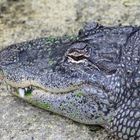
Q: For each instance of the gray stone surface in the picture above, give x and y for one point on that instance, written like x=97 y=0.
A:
x=22 y=20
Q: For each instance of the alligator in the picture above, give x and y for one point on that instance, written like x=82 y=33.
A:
x=92 y=78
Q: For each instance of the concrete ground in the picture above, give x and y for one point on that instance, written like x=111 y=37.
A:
x=22 y=20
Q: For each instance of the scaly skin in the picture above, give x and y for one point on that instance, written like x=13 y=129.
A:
x=92 y=79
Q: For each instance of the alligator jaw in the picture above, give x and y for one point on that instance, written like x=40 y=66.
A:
x=22 y=92
x=31 y=83
x=76 y=108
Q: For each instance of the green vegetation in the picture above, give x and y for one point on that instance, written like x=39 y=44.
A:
x=50 y=62
x=55 y=40
x=41 y=105
x=79 y=94
x=28 y=92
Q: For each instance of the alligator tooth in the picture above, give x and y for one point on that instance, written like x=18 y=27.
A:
x=26 y=89
x=21 y=92
x=30 y=87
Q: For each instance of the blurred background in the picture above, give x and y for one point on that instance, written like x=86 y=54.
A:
x=22 y=20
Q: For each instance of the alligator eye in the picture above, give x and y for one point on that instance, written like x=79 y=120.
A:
x=76 y=58
x=78 y=53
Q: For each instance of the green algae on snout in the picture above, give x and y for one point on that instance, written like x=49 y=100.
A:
x=51 y=40
x=43 y=105
x=29 y=99
x=79 y=94
x=51 y=62
x=71 y=37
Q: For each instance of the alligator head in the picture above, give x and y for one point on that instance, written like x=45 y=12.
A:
x=83 y=78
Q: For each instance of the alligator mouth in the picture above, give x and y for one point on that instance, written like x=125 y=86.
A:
x=26 y=84
x=27 y=88
x=27 y=92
